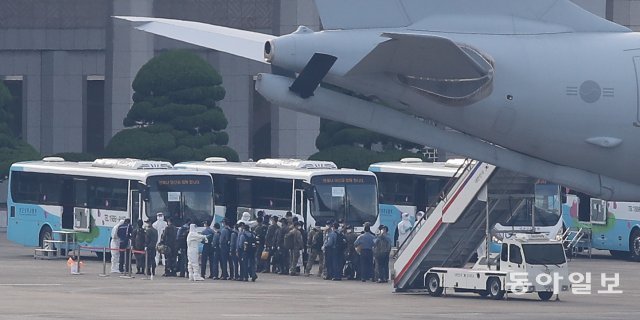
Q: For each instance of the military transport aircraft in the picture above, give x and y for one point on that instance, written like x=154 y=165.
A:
x=540 y=87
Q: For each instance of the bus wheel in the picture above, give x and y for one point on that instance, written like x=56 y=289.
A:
x=545 y=295
x=433 y=285
x=46 y=234
x=494 y=288
x=634 y=245
x=619 y=254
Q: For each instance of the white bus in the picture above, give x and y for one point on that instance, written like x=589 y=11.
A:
x=91 y=197
x=316 y=190
x=411 y=185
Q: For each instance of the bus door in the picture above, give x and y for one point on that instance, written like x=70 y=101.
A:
x=74 y=194
x=300 y=204
x=81 y=212
x=598 y=216
x=135 y=208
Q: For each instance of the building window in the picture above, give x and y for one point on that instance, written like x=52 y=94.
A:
x=15 y=86
x=94 y=104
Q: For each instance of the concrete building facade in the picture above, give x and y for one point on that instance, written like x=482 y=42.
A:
x=72 y=65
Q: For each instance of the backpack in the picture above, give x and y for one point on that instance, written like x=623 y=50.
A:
x=249 y=242
x=123 y=232
x=383 y=246
x=348 y=270
x=341 y=241
x=183 y=232
x=260 y=232
x=317 y=241
x=208 y=241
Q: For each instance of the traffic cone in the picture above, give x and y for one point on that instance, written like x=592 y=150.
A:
x=74 y=267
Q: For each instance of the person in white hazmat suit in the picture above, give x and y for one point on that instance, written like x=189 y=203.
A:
x=159 y=225
x=246 y=219
x=404 y=227
x=419 y=217
x=115 y=245
x=193 y=264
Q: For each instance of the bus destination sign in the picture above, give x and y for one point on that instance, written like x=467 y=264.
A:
x=177 y=182
x=344 y=180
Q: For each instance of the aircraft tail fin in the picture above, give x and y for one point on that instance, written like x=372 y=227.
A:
x=361 y=14
x=241 y=43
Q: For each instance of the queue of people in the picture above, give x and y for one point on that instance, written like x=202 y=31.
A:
x=344 y=254
x=266 y=245
x=142 y=238
x=229 y=251
x=339 y=252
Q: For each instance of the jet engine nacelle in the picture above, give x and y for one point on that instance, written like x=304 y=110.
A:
x=293 y=51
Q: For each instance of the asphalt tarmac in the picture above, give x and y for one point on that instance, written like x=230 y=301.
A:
x=45 y=289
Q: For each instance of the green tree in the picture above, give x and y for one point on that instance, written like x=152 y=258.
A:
x=174 y=116
x=75 y=156
x=12 y=149
x=352 y=147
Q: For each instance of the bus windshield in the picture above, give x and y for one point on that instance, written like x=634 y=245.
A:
x=546 y=206
x=349 y=197
x=544 y=253
x=181 y=196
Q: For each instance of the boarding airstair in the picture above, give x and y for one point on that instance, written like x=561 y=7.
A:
x=450 y=234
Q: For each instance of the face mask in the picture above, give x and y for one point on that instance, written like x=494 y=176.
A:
x=279 y=224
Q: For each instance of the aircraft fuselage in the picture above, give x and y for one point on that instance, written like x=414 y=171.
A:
x=567 y=98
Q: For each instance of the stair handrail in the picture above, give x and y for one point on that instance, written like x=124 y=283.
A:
x=466 y=165
x=565 y=234
x=577 y=238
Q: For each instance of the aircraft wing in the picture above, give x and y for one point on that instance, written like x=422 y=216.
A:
x=241 y=43
x=424 y=56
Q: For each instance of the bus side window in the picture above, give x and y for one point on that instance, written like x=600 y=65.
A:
x=433 y=189
x=244 y=192
x=80 y=190
x=272 y=193
x=219 y=189
x=39 y=188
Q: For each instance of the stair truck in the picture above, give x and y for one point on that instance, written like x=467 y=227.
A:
x=527 y=263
